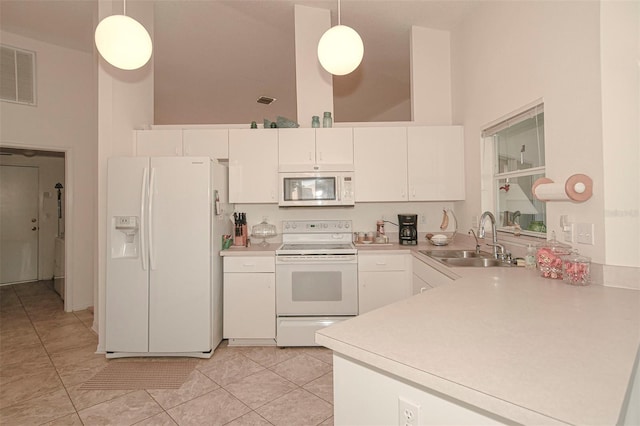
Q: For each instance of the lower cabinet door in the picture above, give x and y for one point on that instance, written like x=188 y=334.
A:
x=249 y=306
x=377 y=289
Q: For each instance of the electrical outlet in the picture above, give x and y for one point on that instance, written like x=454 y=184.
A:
x=408 y=413
x=474 y=222
x=585 y=233
x=423 y=219
x=568 y=233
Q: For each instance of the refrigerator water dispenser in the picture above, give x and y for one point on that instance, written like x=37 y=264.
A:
x=125 y=237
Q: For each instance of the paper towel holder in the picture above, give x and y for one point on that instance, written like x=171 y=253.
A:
x=578 y=187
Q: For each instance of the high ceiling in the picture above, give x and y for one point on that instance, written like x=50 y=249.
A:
x=214 y=58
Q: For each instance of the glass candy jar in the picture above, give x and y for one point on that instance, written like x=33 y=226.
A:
x=549 y=257
x=576 y=269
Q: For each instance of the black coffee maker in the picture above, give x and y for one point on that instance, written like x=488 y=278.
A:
x=408 y=229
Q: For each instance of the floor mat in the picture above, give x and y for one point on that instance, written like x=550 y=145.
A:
x=141 y=375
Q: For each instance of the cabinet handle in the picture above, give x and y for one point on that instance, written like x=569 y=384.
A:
x=177 y=150
x=381 y=263
x=423 y=289
x=320 y=156
x=310 y=156
x=248 y=265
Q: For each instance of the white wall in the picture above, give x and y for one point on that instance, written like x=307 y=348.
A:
x=314 y=85
x=50 y=172
x=620 y=53
x=507 y=55
x=125 y=104
x=430 y=76
x=63 y=120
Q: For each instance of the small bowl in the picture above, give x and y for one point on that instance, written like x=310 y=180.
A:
x=440 y=240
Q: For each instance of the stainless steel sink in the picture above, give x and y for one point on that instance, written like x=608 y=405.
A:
x=464 y=258
x=455 y=254
x=478 y=262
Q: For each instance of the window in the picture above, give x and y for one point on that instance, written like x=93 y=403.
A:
x=514 y=160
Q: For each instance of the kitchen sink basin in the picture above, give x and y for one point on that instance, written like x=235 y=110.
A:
x=464 y=258
x=455 y=254
x=478 y=262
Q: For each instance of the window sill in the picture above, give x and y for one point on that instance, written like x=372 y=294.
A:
x=522 y=240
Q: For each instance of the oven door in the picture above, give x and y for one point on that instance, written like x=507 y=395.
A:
x=316 y=285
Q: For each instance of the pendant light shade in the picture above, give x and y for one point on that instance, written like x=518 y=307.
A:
x=123 y=42
x=340 y=50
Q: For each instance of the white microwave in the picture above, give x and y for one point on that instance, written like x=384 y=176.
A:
x=299 y=189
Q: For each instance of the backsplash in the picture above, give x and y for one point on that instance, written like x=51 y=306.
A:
x=363 y=215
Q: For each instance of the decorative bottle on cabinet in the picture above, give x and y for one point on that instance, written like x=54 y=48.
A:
x=315 y=121
x=327 y=121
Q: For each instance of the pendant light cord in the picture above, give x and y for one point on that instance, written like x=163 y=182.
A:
x=124 y=7
x=338 y=12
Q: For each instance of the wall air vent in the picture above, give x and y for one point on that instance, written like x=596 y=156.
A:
x=266 y=100
x=17 y=75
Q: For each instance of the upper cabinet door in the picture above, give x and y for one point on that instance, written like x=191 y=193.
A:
x=212 y=143
x=436 y=163
x=380 y=162
x=296 y=146
x=334 y=146
x=253 y=166
x=158 y=143
x=304 y=149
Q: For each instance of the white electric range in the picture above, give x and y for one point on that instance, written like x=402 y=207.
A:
x=316 y=279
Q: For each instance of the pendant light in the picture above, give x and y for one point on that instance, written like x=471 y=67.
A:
x=340 y=49
x=123 y=42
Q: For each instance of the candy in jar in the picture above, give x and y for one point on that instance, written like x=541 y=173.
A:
x=576 y=269
x=549 y=257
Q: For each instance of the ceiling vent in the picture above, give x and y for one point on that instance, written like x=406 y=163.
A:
x=17 y=75
x=266 y=100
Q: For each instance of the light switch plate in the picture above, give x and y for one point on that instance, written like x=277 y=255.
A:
x=585 y=233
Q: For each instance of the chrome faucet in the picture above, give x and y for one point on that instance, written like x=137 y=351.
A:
x=481 y=234
x=477 y=243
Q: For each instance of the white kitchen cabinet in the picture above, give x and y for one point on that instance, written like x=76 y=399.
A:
x=382 y=279
x=425 y=277
x=380 y=162
x=366 y=396
x=435 y=163
x=249 y=298
x=212 y=143
x=314 y=148
x=158 y=143
x=253 y=166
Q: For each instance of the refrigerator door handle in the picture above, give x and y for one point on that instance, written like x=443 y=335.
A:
x=143 y=247
x=152 y=260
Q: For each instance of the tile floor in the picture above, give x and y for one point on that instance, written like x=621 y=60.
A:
x=47 y=354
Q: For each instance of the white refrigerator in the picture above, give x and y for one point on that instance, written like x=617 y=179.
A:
x=164 y=274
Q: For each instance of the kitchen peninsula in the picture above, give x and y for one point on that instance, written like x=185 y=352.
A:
x=498 y=345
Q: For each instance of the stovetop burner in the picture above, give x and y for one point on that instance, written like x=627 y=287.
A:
x=316 y=237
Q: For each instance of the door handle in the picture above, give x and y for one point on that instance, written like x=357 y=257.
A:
x=33 y=220
x=34 y=228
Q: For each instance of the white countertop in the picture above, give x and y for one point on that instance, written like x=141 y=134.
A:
x=254 y=250
x=533 y=350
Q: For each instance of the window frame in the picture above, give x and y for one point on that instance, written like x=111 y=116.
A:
x=490 y=177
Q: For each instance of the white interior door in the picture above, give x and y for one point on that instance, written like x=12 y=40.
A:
x=18 y=224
